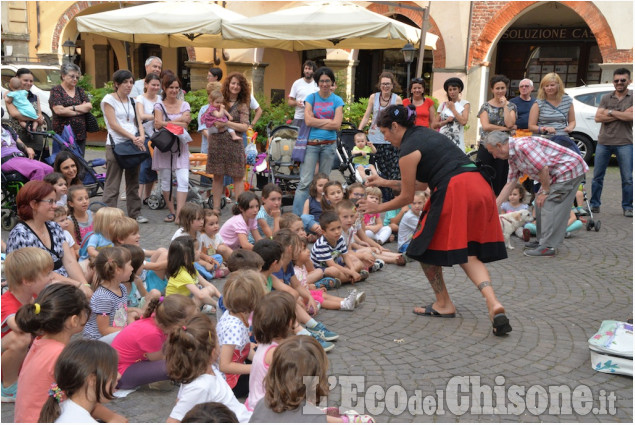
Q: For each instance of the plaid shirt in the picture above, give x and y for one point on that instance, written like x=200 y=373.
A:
x=529 y=155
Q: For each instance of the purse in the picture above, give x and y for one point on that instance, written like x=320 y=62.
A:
x=164 y=140
x=92 y=126
x=129 y=155
x=299 y=150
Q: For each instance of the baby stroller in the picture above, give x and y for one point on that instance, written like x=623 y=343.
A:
x=345 y=145
x=12 y=182
x=282 y=170
x=93 y=180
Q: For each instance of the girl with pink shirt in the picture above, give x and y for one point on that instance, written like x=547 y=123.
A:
x=59 y=312
x=141 y=360
x=235 y=230
x=273 y=321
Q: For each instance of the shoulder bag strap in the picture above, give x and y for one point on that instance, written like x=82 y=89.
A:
x=566 y=119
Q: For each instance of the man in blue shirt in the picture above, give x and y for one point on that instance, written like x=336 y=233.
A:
x=524 y=103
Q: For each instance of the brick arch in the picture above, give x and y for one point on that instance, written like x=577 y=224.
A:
x=490 y=18
x=74 y=10
x=438 y=55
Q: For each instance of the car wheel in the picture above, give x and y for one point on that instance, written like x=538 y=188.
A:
x=585 y=145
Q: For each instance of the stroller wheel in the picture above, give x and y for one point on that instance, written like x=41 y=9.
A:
x=598 y=224
x=154 y=202
x=589 y=224
x=9 y=220
x=223 y=202
x=210 y=202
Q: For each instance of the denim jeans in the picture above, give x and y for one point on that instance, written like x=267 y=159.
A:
x=322 y=154
x=624 y=154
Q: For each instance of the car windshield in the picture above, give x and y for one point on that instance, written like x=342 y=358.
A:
x=46 y=79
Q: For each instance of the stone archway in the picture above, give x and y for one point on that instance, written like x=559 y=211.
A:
x=498 y=15
x=438 y=55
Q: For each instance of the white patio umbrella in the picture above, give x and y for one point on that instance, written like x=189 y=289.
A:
x=170 y=24
x=324 y=25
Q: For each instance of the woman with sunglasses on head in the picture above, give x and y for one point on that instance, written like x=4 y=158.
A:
x=387 y=157
x=454 y=113
x=424 y=105
x=70 y=104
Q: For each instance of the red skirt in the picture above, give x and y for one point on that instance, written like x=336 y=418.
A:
x=460 y=220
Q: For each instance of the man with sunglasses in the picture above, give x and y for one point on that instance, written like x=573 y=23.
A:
x=616 y=137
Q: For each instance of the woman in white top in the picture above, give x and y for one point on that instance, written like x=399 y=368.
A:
x=123 y=124
x=145 y=111
x=454 y=113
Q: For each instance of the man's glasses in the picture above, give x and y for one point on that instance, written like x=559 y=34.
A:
x=621 y=80
x=524 y=86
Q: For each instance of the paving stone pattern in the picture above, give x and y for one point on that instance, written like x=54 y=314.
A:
x=554 y=305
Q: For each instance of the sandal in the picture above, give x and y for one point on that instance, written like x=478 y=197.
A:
x=429 y=311
x=500 y=325
x=170 y=218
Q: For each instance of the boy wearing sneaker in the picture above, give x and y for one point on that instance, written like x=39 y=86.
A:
x=331 y=254
x=28 y=271
x=271 y=252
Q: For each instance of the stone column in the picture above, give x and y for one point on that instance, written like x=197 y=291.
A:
x=344 y=70
x=198 y=74
x=255 y=73
x=102 y=56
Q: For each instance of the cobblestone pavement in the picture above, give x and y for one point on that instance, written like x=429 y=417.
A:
x=554 y=305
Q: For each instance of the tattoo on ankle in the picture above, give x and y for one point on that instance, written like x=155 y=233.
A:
x=483 y=285
x=435 y=276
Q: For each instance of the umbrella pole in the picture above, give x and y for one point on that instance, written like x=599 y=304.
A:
x=422 y=41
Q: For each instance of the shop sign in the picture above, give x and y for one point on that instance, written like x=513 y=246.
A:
x=546 y=33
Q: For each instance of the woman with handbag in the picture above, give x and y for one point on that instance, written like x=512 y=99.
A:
x=225 y=156
x=173 y=114
x=70 y=104
x=124 y=129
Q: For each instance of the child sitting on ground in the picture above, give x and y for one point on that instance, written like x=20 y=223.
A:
x=190 y=354
x=58 y=313
x=138 y=295
x=28 y=271
x=217 y=113
x=61 y=218
x=292 y=248
x=241 y=293
x=191 y=219
x=268 y=217
x=86 y=374
x=235 y=230
x=99 y=239
x=330 y=252
x=360 y=152
x=141 y=359
x=82 y=218
x=288 y=398
x=516 y=202
x=184 y=279
x=364 y=248
x=312 y=209
x=408 y=223
x=273 y=321
x=212 y=244
x=375 y=228
x=18 y=97
x=109 y=303
x=333 y=193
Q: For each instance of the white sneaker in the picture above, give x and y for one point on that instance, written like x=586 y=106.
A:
x=378 y=265
x=208 y=309
x=359 y=298
x=348 y=303
x=142 y=219
x=123 y=196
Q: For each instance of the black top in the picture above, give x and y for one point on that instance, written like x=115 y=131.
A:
x=440 y=157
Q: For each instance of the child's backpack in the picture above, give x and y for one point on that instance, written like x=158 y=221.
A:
x=612 y=348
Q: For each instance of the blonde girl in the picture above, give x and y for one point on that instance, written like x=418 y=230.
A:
x=82 y=218
x=333 y=193
x=101 y=237
x=141 y=359
x=241 y=293
x=58 y=313
x=217 y=113
x=109 y=303
x=313 y=206
x=85 y=375
x=190 y=353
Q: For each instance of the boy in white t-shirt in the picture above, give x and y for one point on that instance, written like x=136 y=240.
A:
x=212 y=244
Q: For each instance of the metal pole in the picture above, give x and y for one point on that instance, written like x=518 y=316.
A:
x=422 y=41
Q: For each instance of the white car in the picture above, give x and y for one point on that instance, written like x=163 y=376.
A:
x=45 y=77
x=586 y=100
